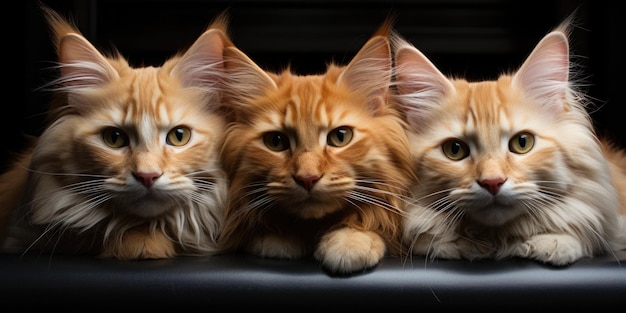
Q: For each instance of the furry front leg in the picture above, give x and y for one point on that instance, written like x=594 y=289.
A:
x=347 y=250
x=140 y=243
x=555 y=249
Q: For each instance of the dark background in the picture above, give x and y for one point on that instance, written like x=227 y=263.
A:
x=476 y=39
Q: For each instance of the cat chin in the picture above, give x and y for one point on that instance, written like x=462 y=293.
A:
x=493 y=216
x=313 y=209
x=147 y=207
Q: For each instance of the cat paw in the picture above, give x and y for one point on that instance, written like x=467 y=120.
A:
x=348 y=250
x=554 y=249
x=272 y=246
x=140 y=244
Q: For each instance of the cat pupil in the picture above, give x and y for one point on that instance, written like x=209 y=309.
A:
x=179 y=134
x=455 y=148
x=340 y=134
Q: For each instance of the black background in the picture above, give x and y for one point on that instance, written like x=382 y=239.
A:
x=474 y=39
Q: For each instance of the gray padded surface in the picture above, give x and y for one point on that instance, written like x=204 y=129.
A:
x=232 y=281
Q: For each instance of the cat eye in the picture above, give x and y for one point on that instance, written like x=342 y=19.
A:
x=522 y=143
x=178 y=136
x=276 y=141
x=339 y=136
x=114 y=137
x=455 y=149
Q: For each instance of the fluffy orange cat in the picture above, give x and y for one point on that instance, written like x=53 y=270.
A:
x=318 y=164
x=128 y=167
x=510 y=167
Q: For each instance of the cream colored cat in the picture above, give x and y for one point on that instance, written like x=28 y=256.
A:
x=318 y=164
x=128 y=167
x=506 y=168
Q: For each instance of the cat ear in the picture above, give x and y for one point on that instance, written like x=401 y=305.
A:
x=545 y=73
x=202 y=65
x=244 y=79
x=420 y=85
x=370 y=72
x=82 y=65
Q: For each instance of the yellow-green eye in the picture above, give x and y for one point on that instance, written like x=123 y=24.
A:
x=276 y=141
x=178 y=136
x=339 y=136
x=455 y=149
x=522 y=142
x=114 y=137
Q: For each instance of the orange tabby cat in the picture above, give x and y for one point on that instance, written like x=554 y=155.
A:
x=506 y=168
x=128 y=167
x=318 y=164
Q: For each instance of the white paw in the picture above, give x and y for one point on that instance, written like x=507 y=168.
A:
x=555 y=249
x=349 y=250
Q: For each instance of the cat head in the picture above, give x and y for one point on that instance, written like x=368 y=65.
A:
x=313 y=145
x=484 y=142
x=130 y=142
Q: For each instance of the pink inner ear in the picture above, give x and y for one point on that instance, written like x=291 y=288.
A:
x=202 y=65
x=82 y=64
x=421 y=86
x=545 y=73
x=417 y=75
x=370 y=71
x=243 y=77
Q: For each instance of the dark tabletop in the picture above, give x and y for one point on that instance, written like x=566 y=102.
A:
x=231 y=281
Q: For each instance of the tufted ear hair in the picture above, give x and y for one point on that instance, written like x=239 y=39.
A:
x=82 y=66
x=419 y=84
x=544 y=75
x=370 y=72
x=202 y=64
x=244 y=78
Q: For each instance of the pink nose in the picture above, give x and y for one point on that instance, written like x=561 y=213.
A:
x=492 y=185
x=146 y=179
x=307 y=181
